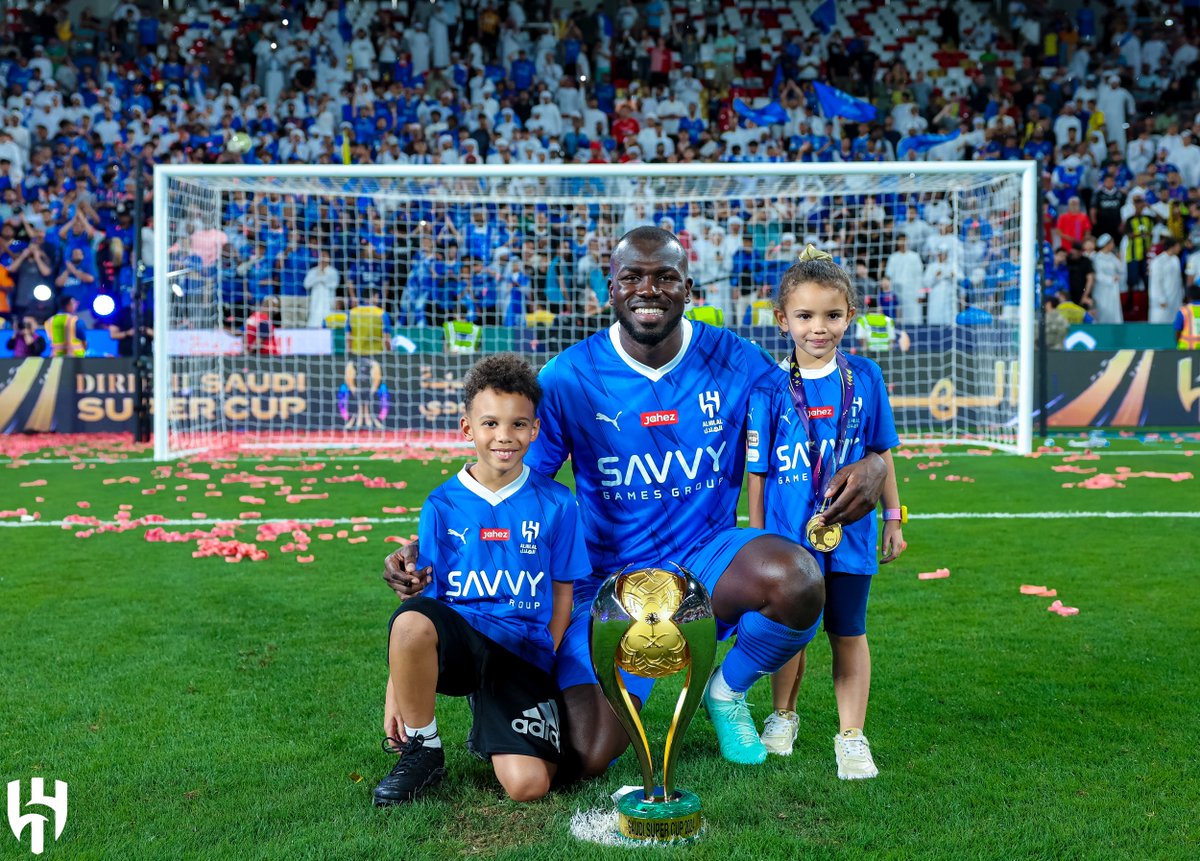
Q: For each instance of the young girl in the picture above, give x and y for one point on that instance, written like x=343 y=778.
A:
x=820 y=411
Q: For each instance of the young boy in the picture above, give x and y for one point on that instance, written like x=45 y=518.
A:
x=505 y=545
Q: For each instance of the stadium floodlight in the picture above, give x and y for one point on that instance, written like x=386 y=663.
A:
x=530 y=266
x=103 y=306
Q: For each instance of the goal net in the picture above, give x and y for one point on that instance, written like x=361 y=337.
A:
x=316 y=306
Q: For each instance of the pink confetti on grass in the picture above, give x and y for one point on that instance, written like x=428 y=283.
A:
x=1087 y=455
x=15 y=512
x=252 y=500
x=83 y=504
x=214 y=493
x=939 y=574
x=250 y=515
x=1079 y=470
x=40 y=482
x=1057 y=607
x=396 y=539
x=399 y=509
x=198 y=515
x=1040 y=591
x=325 y=536
x=362 y=527
x=342 y=533
x=39 y=499
x=294 y=498
x=358 y=540
x=304 y=560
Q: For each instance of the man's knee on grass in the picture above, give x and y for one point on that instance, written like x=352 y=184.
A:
x=524 y=778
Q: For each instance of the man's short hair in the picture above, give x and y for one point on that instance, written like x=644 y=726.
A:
x=506 y=373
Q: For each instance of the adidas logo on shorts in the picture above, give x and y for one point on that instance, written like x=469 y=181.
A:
x=539 y=722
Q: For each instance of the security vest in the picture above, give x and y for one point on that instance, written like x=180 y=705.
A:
x=63 y=340
x=366 y=336
x=878 y=330
x=1189 y=335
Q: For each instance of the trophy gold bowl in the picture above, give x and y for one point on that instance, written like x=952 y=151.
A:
x=654 y=623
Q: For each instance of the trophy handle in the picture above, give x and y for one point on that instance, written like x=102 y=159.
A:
x=606 y=638
x=701 y=637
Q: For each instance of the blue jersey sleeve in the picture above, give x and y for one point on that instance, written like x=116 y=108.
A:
x=427 y=545
x=569 y=551
x=760 y=427
x=549 y=451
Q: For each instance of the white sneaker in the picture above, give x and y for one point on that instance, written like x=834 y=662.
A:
x=853 y=754
x=779 y=732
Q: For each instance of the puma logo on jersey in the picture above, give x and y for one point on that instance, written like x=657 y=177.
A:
x=461 y=536
x=601 y=417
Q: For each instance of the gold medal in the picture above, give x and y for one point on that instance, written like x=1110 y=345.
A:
x=823 y=538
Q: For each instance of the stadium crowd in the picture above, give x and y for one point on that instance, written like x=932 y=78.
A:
x=1104 y=98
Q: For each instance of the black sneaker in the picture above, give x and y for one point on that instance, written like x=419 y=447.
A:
x=419 y=769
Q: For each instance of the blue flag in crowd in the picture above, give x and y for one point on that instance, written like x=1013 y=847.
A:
x=771 y=115
x=836 y=103
x=825 y=16
x=922 y=143
x=343 y=24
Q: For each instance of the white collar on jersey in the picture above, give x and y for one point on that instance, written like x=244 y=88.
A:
x=493 y=497
x=812 y=373
x=652 y=374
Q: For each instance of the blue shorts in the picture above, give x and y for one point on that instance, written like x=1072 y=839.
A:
x=846 y=603
x=573 y=662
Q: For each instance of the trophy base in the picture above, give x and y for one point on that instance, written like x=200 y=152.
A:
x=677 y=818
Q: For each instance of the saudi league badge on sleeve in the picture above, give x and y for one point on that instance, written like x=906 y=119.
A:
x=654 y=623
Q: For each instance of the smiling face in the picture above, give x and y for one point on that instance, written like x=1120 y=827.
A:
x=501 y=425
x=816 y=317
x=649 y=286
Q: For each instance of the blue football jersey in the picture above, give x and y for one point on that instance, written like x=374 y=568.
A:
x=776 y=445
x=494 y=556
x=658 y=453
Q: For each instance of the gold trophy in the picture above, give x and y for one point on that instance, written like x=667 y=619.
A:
x=654 y=623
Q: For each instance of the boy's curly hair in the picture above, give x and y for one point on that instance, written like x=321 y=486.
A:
x=503 y=372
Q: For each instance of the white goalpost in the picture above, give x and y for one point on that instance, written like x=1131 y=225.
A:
x=320 y=306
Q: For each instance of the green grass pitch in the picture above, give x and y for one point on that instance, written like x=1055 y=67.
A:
x=206 y=710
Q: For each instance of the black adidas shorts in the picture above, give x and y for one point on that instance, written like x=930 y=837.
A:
x=518 y=709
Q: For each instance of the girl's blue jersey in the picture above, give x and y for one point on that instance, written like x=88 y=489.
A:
x=777 y=447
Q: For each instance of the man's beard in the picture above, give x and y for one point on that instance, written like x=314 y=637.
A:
x=629 y=325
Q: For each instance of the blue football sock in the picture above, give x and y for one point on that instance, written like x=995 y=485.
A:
x=762 y=647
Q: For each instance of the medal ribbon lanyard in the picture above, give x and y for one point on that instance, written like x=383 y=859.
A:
x=821 y=475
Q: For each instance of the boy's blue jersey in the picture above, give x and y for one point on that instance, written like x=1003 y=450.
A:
x=494 y=556
x=777 y=446
x=658 y=454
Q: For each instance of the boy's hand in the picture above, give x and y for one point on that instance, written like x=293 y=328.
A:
x=893 y=541
x=401 y=574
x=393 y=721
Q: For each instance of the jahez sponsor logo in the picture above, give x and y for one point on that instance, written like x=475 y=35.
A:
x=493 y=534
x=820 y=412
x=660 y=417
